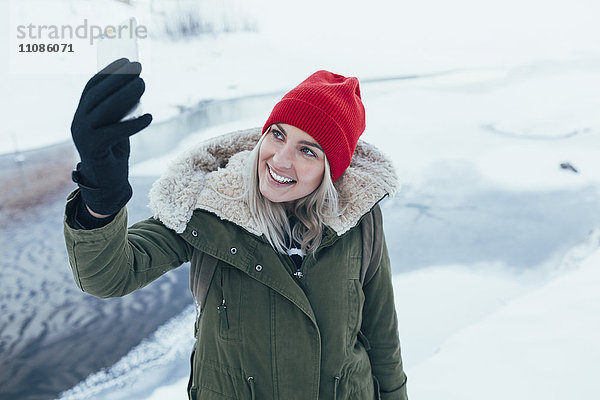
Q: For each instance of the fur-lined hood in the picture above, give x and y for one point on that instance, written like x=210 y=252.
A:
x=210 y=176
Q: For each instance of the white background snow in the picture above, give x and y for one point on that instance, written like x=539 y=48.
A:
x=507 y=91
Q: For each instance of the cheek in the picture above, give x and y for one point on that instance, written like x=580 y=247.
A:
x=315 y=175
x=261 y=161
x=265 y=151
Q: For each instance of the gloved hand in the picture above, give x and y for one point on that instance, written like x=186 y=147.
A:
x=102 y=141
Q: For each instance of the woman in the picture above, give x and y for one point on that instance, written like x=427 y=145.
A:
x=279 y=209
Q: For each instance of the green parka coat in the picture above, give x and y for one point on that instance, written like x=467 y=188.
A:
x=264 y=333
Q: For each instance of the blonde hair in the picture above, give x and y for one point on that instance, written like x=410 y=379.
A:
x=311 y=210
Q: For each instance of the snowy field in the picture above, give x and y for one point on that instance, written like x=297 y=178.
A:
x=495 y=246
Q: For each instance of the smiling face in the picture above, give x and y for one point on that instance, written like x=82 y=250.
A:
x=291 y=164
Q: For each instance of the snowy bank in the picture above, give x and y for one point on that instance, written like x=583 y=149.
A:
x=542 y=345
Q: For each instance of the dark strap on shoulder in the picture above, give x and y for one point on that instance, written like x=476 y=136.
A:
x=372 y=234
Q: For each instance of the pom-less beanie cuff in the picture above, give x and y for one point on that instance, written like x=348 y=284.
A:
x=328 y=107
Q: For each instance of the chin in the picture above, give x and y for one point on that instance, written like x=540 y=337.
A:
x=273 y=199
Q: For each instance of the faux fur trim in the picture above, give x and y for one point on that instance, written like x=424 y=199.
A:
x=210 y=176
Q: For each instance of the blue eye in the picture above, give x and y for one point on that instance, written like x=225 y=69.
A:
x=308 y=151
x=277 y=134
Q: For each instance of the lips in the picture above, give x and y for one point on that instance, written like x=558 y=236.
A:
x=282 y=180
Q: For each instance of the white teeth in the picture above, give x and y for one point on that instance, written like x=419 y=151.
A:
x=279 y=178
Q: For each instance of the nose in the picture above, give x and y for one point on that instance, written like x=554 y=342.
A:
x=282 y=159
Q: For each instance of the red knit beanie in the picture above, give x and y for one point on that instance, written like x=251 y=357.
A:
x=328 y=107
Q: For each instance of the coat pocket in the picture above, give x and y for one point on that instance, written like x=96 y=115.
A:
x=230 y=304
x=217 y=381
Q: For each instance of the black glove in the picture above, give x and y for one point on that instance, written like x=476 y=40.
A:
x=102 y=141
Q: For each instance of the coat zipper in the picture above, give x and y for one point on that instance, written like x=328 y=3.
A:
x=251 y=383
x=296 y=270
x=336 y=381
x=222 y=308
x=298 y=274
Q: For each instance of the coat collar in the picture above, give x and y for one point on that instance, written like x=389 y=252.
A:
x=210 y=177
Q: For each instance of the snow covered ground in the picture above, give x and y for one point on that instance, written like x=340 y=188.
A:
x=540 y=345
x=507 y=91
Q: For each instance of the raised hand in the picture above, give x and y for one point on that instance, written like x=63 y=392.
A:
x=102 y=141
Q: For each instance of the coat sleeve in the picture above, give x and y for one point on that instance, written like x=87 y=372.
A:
x=113 y=260
x=380 y=326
